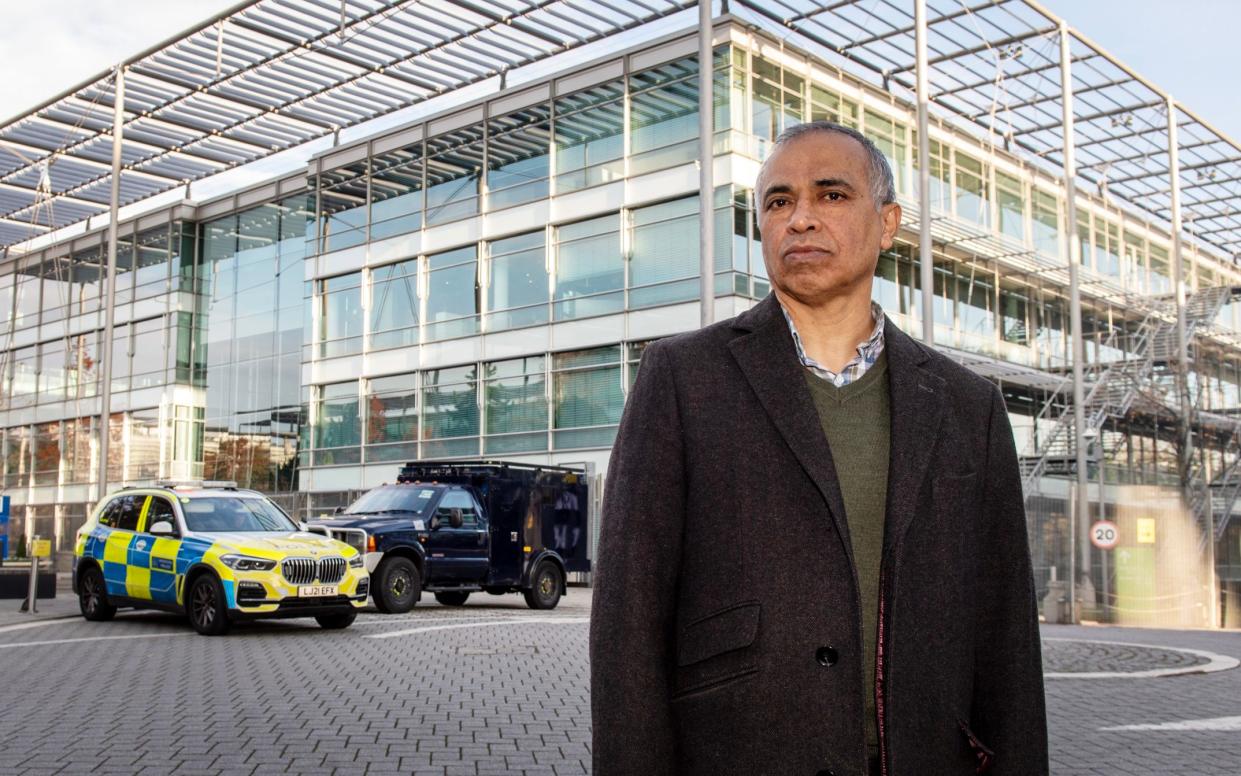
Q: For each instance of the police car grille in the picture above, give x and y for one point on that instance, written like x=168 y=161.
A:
x=331 y=570
x=298 y=571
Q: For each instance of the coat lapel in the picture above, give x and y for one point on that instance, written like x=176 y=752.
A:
x=768 y=359
x=917 y=398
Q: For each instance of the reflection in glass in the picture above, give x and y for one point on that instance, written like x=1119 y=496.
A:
x=392 y=419
x=342 y=207
x=663 y=116
x=394 y=305
x=450 y=412
x=454 y=166
x=337 y=424
x=590 y=137
x=515 y=394
x=517 y=165
x=396 y=192
x=340 y=321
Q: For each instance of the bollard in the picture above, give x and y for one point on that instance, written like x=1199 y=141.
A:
x=33 y=596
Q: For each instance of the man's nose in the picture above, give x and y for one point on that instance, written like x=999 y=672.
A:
x=803 y=219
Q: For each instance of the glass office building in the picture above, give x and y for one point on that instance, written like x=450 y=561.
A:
x=483 y=282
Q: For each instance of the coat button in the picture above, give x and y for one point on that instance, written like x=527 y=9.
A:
x=827 y=656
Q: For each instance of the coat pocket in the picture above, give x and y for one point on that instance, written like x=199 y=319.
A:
x=984 y=758
x=711 y=650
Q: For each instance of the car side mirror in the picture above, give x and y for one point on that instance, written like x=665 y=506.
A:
x=162 y=528
x=301 y=526
x=435 y=522
x=338 y=510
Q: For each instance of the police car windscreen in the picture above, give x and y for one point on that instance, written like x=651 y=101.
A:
x=410 y=499
x=249 y=515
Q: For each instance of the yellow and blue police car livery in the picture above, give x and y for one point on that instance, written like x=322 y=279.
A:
x=265 y=573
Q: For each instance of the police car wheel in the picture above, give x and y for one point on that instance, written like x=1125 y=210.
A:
x=545 y=587
x=399 y=586
x=452 y=598
x=336 y=621
x=93 y=596
x=205 y=607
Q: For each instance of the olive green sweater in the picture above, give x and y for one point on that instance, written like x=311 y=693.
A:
x=856 y=421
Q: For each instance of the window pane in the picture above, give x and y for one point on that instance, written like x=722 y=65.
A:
x=452 y=300
x=394 y=305
x=588 y=394
x=516 y=405
x=590 y=137
x=663 y=116
x=342 y=206
x=1011 y=206
x=972 y=199
x=590 y=270
x=340 y=327
x=450 y=407
x=338 y=416
x=665 y=252
x=517 y=292
x=454 y=164
x=391 y=412
x=517 y=167
x=396 y=192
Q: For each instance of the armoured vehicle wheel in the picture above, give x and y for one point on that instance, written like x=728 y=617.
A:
x=397 y=586
x=205 y=607
x=452 y=597
x=545 y=587
x=93 y=596
x=336 y=621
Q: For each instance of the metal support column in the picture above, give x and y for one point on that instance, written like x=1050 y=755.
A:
x=105 y=390
x=925 y=250
x=706 y=157
x=1081 y=510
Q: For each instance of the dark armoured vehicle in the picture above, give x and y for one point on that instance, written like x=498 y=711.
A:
x=466 y=526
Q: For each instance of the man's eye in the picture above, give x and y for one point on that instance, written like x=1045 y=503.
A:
x=835 y=196
x=777 y=202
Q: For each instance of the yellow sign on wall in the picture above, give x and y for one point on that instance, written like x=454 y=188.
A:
x=1146 y=530
x=41 y=548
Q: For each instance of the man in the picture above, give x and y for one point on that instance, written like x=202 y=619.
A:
x=814 y=555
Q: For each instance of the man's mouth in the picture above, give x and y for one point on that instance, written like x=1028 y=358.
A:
x=805 y=252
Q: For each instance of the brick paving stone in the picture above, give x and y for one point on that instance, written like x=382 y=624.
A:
x=493 y=700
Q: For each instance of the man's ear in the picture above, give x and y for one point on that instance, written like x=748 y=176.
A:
x=890 y=214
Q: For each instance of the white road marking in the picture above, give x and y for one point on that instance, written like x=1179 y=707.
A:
x=85 y=639
x=1215 y=663
x=483 y=624
x=1217 y=724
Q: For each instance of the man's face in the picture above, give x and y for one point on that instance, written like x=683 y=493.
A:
x=822 y=229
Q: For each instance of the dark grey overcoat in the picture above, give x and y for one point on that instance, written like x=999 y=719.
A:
x=724 y=571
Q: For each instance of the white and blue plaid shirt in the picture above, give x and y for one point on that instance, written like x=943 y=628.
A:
x=867 y=352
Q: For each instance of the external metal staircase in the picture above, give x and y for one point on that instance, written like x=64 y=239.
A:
x=1112 y=386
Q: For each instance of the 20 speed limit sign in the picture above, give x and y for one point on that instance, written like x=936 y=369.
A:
x=1104 y=535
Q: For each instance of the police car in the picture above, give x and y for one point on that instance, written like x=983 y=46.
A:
x=216 y=553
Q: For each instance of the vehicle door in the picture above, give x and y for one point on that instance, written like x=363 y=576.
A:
x=122 y=517
x=160 y=549
x=459 y=539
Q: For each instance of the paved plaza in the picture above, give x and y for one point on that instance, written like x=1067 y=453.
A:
x=493 y=688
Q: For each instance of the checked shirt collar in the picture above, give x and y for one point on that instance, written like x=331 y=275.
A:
x=867 y=352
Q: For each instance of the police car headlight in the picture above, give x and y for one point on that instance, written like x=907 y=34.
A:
x=355 y=562
x=246 y=563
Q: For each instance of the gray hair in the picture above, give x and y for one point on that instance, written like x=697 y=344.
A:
x=882 y=185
